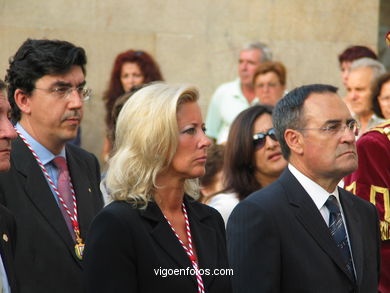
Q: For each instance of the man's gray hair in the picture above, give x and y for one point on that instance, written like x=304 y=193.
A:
x=266 y=53
x=377 y=68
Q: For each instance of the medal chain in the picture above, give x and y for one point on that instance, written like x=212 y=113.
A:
x=73 y=218
x=189 y=250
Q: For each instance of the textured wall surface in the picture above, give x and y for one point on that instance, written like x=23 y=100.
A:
x=194 y=42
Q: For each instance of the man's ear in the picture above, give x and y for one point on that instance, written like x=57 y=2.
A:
x=22 y=100
x=294 y=140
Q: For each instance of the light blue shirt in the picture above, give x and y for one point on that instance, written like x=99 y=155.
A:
x=45 y=156
x=6 y=288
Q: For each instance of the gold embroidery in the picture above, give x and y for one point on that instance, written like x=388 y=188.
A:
x=351 y=187
x=385 y=230
x=384 y=225
x=383 y=128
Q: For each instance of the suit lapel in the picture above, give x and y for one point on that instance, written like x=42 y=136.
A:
x=39 y=192
x=311 y=219
x=205 y=245
x=354 y=227
x=5 y=251
x=165 y=238
x=79 y=175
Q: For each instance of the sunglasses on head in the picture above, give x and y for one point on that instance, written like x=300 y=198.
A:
x=260 y=138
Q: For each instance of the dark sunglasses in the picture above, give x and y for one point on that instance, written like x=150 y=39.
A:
x=260 y=138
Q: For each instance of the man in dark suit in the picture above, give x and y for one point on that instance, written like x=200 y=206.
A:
x=302 y=233
x=52 y=187
x=7 y=221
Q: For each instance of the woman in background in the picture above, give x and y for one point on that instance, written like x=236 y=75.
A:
x=269 y=82
x=381 y=96
x=154 y=224
x=130 y=68
x=253 y=158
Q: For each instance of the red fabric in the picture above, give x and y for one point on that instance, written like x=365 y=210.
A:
x=63 y=186
x=373 y=177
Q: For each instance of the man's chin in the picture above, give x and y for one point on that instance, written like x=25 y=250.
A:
x=348 y=169
x=69 y=134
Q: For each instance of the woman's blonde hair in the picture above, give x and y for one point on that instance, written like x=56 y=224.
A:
x=147 y=136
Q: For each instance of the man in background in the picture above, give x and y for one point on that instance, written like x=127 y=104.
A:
x=233 y=97
x=362 y=75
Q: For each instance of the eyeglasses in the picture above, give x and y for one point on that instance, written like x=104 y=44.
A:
x=260 y=138
x=338 y=128
x=64 y=92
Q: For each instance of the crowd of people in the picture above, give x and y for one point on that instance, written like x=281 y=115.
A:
x=269 y=194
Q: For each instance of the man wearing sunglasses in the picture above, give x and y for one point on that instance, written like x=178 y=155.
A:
x=52 y=187
x=303 y=233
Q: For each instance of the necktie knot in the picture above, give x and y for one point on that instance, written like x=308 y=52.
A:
x=332 y=204
x=60 y=163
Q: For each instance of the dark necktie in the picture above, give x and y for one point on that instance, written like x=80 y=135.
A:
x=63 y=186
x=337 y=229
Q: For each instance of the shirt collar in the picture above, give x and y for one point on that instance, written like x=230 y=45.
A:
x=237 y=92
x=318 y=194
x=43 y=153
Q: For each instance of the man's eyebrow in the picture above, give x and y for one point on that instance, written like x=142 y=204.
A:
x=333 y=121
x=83 y=83
x=61 y=83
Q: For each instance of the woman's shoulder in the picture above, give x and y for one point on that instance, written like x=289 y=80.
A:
x=119 y=209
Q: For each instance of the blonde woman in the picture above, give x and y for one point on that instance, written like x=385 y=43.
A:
x=154 y=237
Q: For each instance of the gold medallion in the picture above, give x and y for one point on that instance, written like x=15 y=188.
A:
x=79 y=247
x=79 y=250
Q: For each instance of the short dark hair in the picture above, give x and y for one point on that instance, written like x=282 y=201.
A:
x=118 y=105
x=2 y=85
x=239 y=166
x=353 y=53
x=376 y=91
x=288 y=112
x=36 y=58
x=214 y=164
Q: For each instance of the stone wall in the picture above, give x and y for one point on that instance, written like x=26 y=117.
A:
x=194 y=42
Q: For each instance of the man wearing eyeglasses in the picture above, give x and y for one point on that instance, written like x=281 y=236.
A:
x=303 y=233
x=52 y=187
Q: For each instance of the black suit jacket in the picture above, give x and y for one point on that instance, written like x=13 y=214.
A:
x=127 y=247
x=278 y=241
x=45 y=260
x=7 y=245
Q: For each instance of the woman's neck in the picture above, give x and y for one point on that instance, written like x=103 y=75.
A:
x=170 y=193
